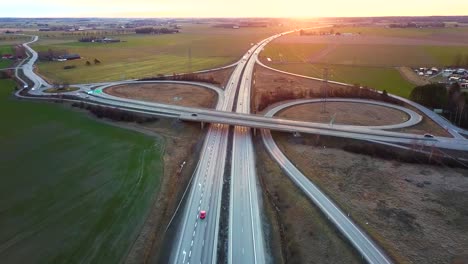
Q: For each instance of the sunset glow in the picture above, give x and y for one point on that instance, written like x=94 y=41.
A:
x=239 y=8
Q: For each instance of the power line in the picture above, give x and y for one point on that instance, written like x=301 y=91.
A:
x=324 y=90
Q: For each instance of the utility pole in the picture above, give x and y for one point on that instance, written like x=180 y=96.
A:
x=324 y=90
x=190 y=60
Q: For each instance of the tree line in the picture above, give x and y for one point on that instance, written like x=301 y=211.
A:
x=152 y=30
x=451 y=100
x=189 y=77
x=356 y=91
x=115 y=114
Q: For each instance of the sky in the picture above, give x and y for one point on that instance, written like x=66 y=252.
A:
x=232 y=8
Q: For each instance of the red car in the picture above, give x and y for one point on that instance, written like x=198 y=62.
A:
x=202 y=214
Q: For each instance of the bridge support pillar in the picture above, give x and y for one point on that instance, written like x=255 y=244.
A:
x=255 y=132
x=202 y=125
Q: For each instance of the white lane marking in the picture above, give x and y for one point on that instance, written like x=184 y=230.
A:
x=242 y=230
x=196 y=223
x=193 y=233
x=190 y=253
x=191 y=244
x=242 y=251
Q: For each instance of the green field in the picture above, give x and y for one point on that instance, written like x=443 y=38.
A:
x=5 y=49
x=388 y=79
x=452 y=33
x=72 y=189
x=291 y=52
x=148 y=55
x=367 y=55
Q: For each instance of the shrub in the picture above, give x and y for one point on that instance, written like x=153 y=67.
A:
x=68 y=67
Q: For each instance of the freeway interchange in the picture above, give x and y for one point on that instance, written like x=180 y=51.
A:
x=197 y=239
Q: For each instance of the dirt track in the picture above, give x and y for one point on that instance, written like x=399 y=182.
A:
x=411 y=76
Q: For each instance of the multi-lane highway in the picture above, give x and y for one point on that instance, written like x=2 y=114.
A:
x=197 y=239
x=245 y=239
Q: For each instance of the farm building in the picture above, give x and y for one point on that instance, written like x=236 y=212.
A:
x=70 y=57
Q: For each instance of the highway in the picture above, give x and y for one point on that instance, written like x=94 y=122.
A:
x=197 y=240
x=279 y=124
x=245 y=239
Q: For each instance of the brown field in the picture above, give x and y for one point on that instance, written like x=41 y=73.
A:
x=176 y=94
x=417 y=212
x=220 y=76
x=298 y=232
x=345 y=114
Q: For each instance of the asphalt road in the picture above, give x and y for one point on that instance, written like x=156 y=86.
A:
x=245 y=239
x=197 y=240
x=278 y=124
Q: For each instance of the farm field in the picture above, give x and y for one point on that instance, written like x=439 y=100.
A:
x=388 y=79
x=148 y=55
x=5 y=49
x=377 y=55
x=368 y=58
x=448 y=34
x=73 y=189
